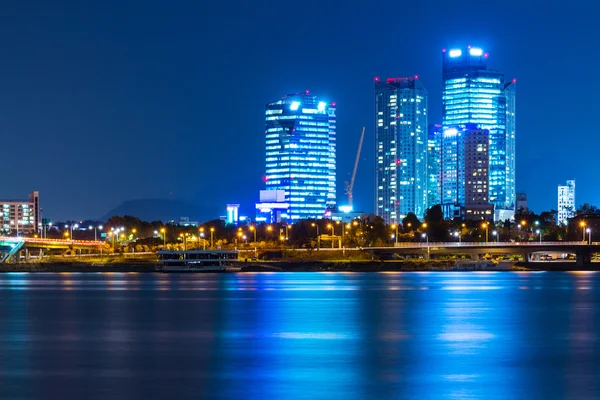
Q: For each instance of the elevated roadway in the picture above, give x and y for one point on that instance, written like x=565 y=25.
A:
x=583 y=251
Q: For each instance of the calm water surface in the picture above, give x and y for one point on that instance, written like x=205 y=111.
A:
x=300 y=336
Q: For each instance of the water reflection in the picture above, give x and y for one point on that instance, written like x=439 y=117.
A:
x=300 y=335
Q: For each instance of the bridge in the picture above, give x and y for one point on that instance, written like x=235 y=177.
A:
x=530 y=251
x=13 y=246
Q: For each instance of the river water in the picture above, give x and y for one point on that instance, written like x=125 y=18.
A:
x=462 y=335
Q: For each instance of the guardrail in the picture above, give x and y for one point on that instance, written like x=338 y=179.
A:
x=51 y=241
x=490 y=244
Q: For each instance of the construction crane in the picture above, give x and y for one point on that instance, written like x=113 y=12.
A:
x=350 y=185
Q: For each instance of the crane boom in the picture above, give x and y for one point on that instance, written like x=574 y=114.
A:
x=350 y=186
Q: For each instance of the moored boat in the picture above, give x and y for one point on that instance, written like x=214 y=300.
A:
x=197 y=260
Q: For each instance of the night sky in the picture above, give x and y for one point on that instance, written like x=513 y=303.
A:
x=110 y=101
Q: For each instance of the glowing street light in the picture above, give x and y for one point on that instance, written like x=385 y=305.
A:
x=485 y=226
x=539 y=232
x=394 y=226
x=95 y=228
x=589 y=231
x=582 y=225
x=212 y=237
x=253 y=229
x=164 y=235
x=495 y=233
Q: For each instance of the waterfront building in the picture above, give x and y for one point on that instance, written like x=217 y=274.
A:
x=21 y=216
x=476 y=94
x=566 y=202
x=401 y=148
x=434 y=165
x=477 y=205
x=300 y=138
x=521 y=203
x=272 y=204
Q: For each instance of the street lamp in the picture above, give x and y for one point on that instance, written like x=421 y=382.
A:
x=269 y=230
x=485 y=225
x=287 y=227
x=394 y=226
x=253 y=229
x=164 y=233
x=589 y=231
x=539 y=232
x=212 y=238
x=457 y=234
x=95 y=231
x=495 y=233
x=582 y=224
x=330 y=226
x=318 y=238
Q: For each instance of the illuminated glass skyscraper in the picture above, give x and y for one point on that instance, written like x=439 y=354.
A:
x=434 y=165
x=300 y=154
x=401 y=147
x=474 y=94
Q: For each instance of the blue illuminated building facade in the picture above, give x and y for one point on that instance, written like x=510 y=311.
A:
x=301 y=156
x=474 y=94
x=401 y=148
x=434 y=165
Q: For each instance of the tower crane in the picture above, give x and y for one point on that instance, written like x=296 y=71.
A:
x=350 y=185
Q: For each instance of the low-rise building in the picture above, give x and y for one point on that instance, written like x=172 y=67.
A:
x=21 y=216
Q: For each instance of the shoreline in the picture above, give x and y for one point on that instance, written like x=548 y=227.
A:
x=291 y=266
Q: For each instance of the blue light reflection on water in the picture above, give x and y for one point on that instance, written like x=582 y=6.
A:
x=300 y=335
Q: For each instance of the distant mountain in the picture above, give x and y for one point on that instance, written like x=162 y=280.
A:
x=163 y=210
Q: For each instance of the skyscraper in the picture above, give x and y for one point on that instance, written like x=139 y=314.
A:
x=477 y=205
x=566 y=202
x=475 y=94
x=300 y=155
x=401 y=147
x=434 y=165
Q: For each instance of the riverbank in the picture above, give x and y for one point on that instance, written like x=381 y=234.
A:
x=144 y=266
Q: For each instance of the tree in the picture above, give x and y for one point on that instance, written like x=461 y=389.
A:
x=437 y=226
x=410 y=222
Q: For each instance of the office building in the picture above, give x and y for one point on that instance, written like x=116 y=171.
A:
x=401 y=148
x=521 y=203
x=475 y=94
x=21 y=216
x=566 y=202
x=434 y=165
x=300 y=160
x=477 y=205
x=233 y=214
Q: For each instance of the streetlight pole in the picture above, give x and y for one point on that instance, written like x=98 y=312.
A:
x=539 y=232
x=495 y=234
x=395 y=226
x=589 y=231
x=485 y=225
x=212 y=238
x=582 y=224
x=318 y=237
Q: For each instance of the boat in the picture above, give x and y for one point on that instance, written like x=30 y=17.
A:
x=484 y=266
x=197 y=260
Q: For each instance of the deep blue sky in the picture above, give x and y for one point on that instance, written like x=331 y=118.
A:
x=115 y=100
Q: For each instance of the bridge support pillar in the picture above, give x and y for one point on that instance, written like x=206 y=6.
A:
x=584 y=257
